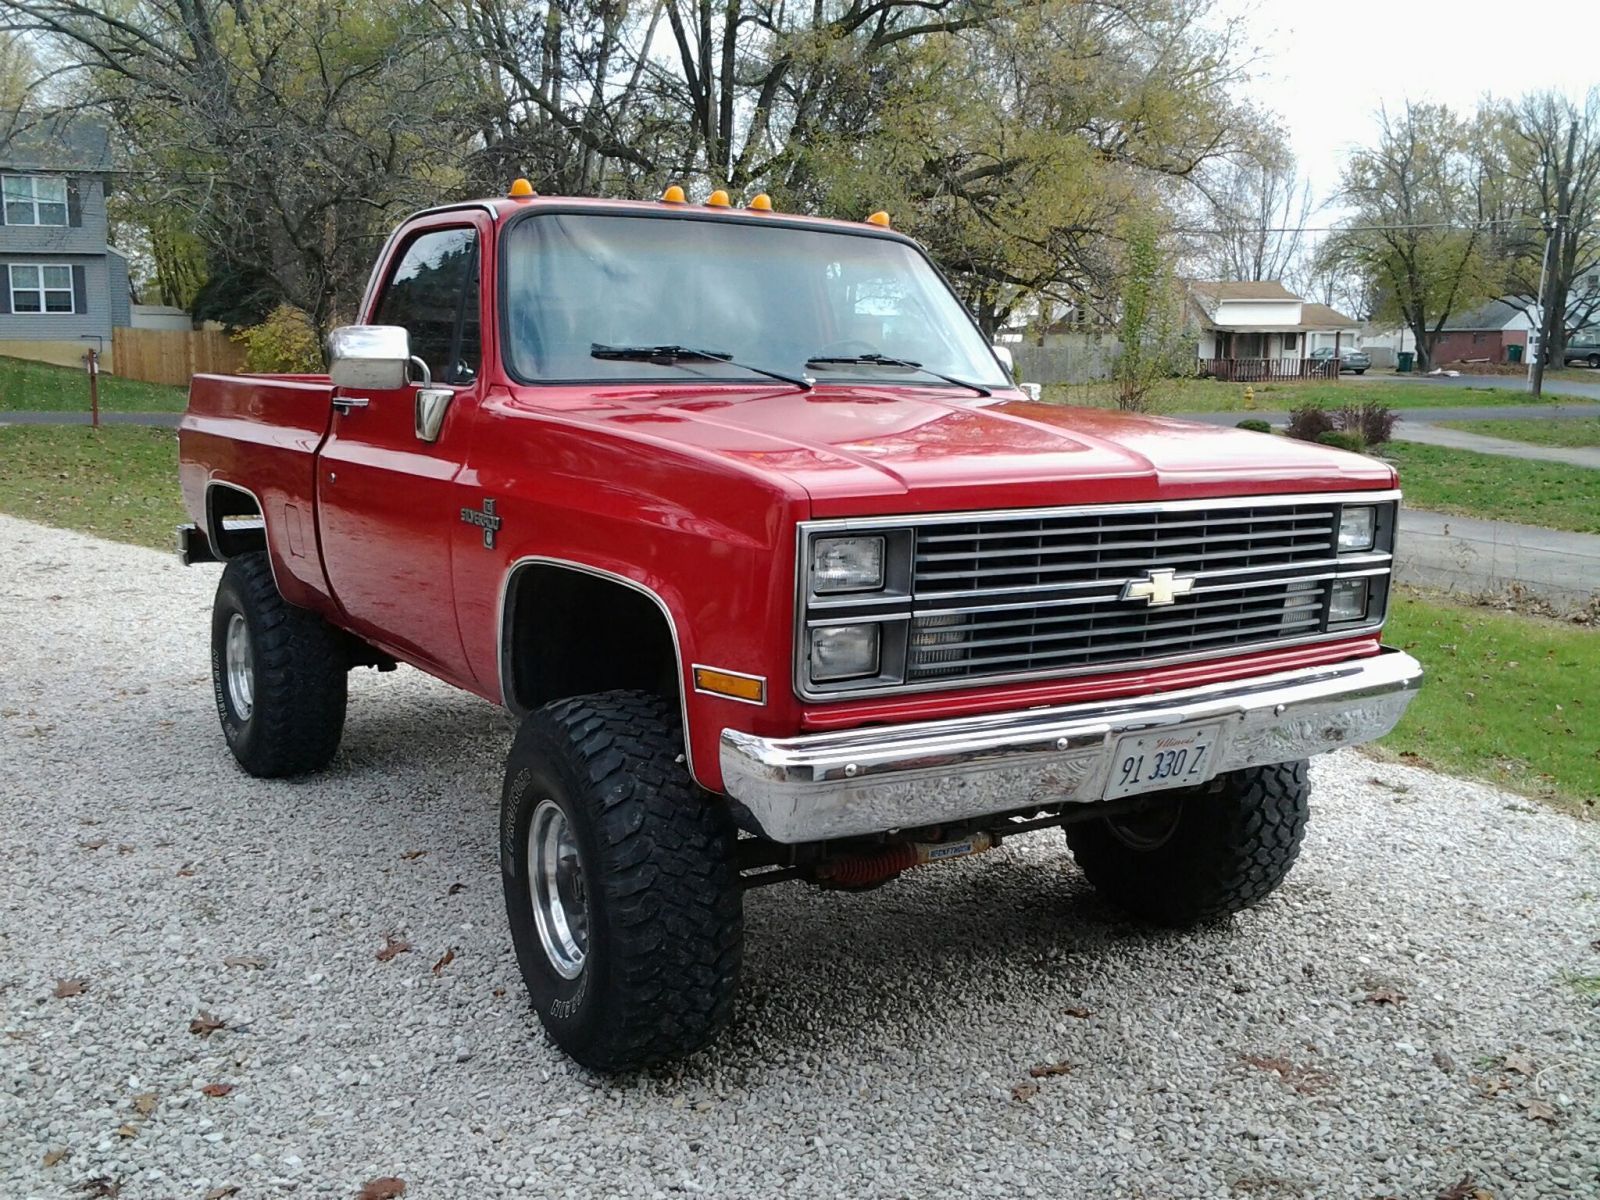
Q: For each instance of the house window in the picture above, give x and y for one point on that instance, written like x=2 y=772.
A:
x=1291 y=343
x=42 y=288
x=35 y=199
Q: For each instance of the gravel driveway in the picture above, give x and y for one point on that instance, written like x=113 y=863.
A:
x=1397 y=1018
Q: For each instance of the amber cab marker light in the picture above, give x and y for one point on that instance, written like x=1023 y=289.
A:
x=718 y=199
x=880 y=219
x=761 y=203
x=750 y=689
x=521 y=189
x=673 y=195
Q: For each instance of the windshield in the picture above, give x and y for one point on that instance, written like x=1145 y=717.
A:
x=770 y=295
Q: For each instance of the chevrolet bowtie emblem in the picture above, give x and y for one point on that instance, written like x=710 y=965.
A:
x=1162 y=587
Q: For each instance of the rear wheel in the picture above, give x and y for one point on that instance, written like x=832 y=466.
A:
x=1594 y=360
x=278 y=673
x=1202 y=853
x=620 y=883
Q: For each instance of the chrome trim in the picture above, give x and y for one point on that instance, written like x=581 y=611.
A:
x=868 y=780
x=430 y=407
x=1313 y=570
x=1089 y=510
x=761 y=679
x=684 y=682
x=266 y=532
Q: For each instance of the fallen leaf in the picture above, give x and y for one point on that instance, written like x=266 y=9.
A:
x=385 y=1188
x=1045 y=1070
x=499 y=991
x=217 y=1090
x=124 y=848
x=145 y=1103
x=103 y=1185
x=94 y=845
x=1083 y=1014
x=455 y=888
x=1443 y=1061
x=127 y=1131
x=205 y=1024
x=449 y=957
x=185 y=872
x=1024 y=1092
x=52 y=1157
x=1488 y=1086
x=253 y=961
x=1538 y=1110
x=69 y=987
x=1308 y=1081
x=391 y=947
x=1465 y=1189
x=413 y=855
x=1519 y=1062
x=1385 y=995
x=221 y=1193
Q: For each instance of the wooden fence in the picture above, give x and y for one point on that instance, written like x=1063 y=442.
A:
x=1269 y=370
x=173 y=355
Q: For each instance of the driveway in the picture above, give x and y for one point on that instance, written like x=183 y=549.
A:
x=1396 y=1019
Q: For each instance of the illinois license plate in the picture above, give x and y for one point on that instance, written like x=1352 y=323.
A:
x=1172 y=758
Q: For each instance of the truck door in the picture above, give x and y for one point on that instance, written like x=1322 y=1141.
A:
x=386 y=495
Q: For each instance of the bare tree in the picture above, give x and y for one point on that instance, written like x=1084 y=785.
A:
x=1255 y=211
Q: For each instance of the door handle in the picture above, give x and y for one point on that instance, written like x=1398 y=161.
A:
x=345 y=403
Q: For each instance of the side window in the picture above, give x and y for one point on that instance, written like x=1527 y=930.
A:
x=433 y=293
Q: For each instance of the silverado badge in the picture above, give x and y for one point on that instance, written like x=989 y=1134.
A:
x=1158 y=587
x=489 y=521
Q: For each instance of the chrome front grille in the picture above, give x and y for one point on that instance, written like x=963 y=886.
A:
x=1022 y=594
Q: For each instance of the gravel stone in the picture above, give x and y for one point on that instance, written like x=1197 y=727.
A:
x=879 y=1037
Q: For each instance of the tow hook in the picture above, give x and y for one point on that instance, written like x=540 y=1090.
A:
x=866 y=870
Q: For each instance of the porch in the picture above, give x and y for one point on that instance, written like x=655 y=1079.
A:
x=1269 y=370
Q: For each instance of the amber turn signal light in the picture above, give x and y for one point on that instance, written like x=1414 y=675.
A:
x=752 y=689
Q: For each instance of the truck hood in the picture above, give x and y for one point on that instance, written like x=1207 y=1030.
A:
x=861 y=450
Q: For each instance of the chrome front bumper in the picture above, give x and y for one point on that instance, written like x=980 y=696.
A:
x=873 y=779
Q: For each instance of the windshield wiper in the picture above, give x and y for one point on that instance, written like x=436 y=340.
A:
x=668 y=356
x=883 y=360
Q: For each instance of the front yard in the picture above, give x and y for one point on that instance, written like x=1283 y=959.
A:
x=40 y=387
x=1463 y=482
x=1563 y=431
x=1207 y=395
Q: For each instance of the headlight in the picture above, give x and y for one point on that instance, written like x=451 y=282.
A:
x=1357 y=527
x=1349 y=601
x=844 y=652
x=846 y=564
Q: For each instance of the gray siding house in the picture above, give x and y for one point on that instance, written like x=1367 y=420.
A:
x=62 y=287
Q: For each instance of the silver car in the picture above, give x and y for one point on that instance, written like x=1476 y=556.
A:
x=1349 y=360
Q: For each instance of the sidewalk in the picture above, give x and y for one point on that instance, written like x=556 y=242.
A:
x=1458 y=439
x=1465 y=554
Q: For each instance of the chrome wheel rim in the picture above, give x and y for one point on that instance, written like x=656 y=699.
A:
x=560 y=897
x=1149 y=829
x=241 y=670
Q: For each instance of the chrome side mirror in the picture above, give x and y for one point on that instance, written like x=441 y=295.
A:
x=1007 y=360
x=1034 y=391
x=369 y=356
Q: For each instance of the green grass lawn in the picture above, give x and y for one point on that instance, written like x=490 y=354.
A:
x=1492 y=486
x=1564 y=431
x=119 y=482
x=42 y=387
x=1207 y=395
x=1514 y=700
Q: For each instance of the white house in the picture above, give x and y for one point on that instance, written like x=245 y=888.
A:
x=1264 y=320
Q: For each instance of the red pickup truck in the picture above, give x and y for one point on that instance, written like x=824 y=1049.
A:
x=785 y=578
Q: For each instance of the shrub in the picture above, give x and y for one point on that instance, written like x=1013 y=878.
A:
x=1342 y=439
x=1255 y=425
x=1373 y=421
x=1309 y=423
x=285 y=343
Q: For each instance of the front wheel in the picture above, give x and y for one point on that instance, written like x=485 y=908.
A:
x=1594 y=361
x=1203 y=853
x=620 y=883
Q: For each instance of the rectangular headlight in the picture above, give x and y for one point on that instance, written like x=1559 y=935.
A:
x=1349 y=601
x=844 y=652
x=846 y=564
x=1358 y=526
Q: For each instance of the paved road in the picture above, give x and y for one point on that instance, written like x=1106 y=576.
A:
x=1476 y=558
x=1459 y=439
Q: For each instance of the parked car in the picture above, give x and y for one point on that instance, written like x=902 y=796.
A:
x=1582 y=350
x=785 y=579
x=1349 y=360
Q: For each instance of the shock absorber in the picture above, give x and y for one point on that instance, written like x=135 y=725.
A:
x=873 y=867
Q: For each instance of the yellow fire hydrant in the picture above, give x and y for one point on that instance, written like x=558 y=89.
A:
x=1249 y=396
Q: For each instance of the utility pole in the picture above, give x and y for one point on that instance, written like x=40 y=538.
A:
x=1552 y=237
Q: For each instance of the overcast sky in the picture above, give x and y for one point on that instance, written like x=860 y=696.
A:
x=1326 y=69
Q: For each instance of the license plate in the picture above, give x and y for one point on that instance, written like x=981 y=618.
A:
x=1172 y=758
